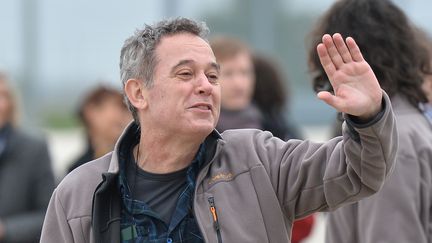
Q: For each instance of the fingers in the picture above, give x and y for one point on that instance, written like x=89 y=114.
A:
x=340 y=51
x=325 y=60
x=330 y=99
x=354 y=49
x=333 y=52
x=342 y=48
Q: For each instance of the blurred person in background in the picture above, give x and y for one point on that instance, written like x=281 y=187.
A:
x=426 y=107
x=271 y=97
x=26 y=177
x=173 y=178
x=402 y=210
x=237 y=81
x=104 y=116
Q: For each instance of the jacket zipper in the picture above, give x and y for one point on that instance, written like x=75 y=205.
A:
x=215 y=218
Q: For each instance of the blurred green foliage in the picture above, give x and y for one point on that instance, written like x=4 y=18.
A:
x=60 y=120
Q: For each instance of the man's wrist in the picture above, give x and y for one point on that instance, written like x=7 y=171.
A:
x=373 y=111
x=359 y=123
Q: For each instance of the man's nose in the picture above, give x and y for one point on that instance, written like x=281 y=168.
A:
x=203 y=85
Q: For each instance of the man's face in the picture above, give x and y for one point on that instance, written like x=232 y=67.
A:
x=185 y=96
x=237 y=81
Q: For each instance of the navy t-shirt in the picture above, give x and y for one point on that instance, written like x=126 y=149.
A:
x=159 y=191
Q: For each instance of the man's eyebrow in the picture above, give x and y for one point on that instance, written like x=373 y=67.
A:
x=215 y=65
x=182 y=62
x=188 y=61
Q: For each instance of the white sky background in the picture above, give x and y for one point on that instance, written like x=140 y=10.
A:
x=83 y=38
x=80 y=37
x=78 y=42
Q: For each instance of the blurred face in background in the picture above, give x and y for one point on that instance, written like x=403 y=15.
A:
x=6 y=104
x=427 y=87
x=107 y=118
x=237 y=81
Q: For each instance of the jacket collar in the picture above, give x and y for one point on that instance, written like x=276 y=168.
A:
x=132 y=130
x=106 y=212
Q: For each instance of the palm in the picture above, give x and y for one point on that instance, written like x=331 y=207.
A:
x=357 y=91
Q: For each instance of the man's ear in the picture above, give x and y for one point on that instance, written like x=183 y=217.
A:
x=136 y=93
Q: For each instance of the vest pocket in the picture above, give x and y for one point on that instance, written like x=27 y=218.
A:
x=215 y=218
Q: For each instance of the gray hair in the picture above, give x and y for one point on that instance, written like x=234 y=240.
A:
x=138 y=58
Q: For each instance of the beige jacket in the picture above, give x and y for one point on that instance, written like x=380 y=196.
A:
x=259 y=184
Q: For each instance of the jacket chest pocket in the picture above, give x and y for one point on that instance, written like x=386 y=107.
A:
x=232 y=212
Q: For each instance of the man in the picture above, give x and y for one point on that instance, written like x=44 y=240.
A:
x=401 y=211
x=173 y=178
x=237 y=81
x=26 y=177
x=104 y=116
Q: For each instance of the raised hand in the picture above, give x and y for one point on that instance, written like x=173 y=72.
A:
x=356 y=89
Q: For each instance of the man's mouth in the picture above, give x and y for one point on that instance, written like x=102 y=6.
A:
x=202 y=106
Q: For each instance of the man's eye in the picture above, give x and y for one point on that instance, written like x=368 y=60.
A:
x=213 y=78
x=185 y=75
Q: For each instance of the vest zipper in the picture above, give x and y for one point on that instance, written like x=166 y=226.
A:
x=215 y=218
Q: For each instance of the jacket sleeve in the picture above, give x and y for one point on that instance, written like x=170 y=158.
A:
x=56 y=227
x=27 y=226
x=309 y=176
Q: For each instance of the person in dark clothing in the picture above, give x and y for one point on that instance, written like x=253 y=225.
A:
x=271 y=97
x=26 y=177
x=104 y=116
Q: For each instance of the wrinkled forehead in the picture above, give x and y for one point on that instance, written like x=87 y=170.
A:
x=184 y=46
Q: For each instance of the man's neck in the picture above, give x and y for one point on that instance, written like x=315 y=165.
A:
x=164 y=154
